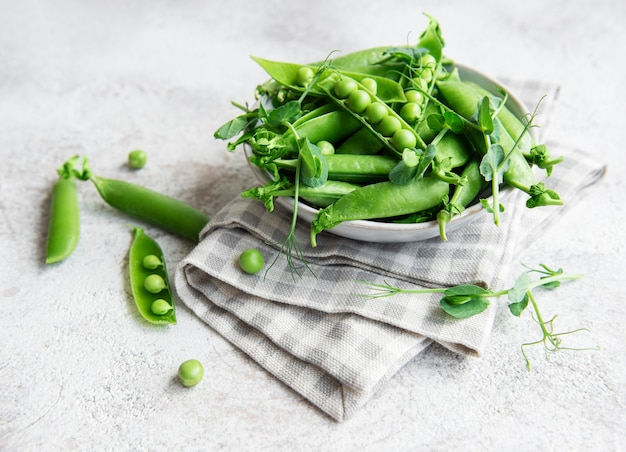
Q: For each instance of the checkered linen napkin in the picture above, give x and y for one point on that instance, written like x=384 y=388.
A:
x=317 y=333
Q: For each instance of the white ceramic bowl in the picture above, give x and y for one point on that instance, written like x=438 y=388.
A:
x=380 y=231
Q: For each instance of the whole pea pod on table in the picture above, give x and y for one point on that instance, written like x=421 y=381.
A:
x=158 y=209
x=64 y=221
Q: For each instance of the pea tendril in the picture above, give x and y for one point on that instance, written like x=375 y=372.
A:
x=467 y=300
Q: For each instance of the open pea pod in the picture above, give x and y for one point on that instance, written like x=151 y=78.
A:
x=149 y=280
x=287 y=74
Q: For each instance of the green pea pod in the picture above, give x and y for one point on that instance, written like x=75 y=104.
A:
x=287 y=74
x=381 y=200
x=513 y=125
x=328 y=85
x=370 y=61
x=332 y=126
x=362 y=142
x=460 y=96
x=150 y=301
x=319 y=111
x=453 y=149
x=160 y=210
x=64 y=221
x=320 y=196
x=464 y=98
x=432 y=39
x=351 y=168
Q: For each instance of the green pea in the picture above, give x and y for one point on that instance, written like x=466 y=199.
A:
x=160 y=307
x=137 y=159
x=370 y=84
x=426 y=74
x=419 y=83
x=414 y=96
x=326 y=147
x=154 y=283
x=388 y=125
x=428 y=61
x=403 y=138
x=344 y=87
x=151 y=262
x=375 y=112
x=411 y=112
x=304 y=76
x=190 y=372
x=358 y=100
x=251 y=261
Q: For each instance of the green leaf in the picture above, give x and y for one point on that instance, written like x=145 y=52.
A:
x=474 y=306
x=436 y=122
x=519 y=290
x=232 y=128
x=465 y=290
x=287 y=112
x=453 y=121
x=314 y=168
x=518 y=307
x=491 y=166
x=402 y=174
x=413 y=165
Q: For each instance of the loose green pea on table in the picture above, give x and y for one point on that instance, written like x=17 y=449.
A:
x=137 y=159
x=190 y=372
x=251 y=261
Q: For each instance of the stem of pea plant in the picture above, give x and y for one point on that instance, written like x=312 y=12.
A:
x=495 y=187
x=554 y=278
x=553 y=339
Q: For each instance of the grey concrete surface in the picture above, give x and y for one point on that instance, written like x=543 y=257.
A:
x=80 y=370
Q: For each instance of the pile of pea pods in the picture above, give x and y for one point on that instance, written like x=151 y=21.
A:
x=387 y=134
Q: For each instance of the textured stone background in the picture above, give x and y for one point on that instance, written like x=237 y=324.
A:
x=80 y=370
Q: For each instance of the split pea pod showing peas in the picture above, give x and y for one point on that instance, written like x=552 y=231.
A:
x=64 y=221
x=149 y=280
x=160 y=210
x=373 y=113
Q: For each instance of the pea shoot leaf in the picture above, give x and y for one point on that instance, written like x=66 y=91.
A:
x=492 y=166
x=314 y=168
x=413 y=165
x=518 y=292
x=436 y=122
x=287 y=112
x=453 y=121
x=519 y=307
x=232 y=128
x=464 y=301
